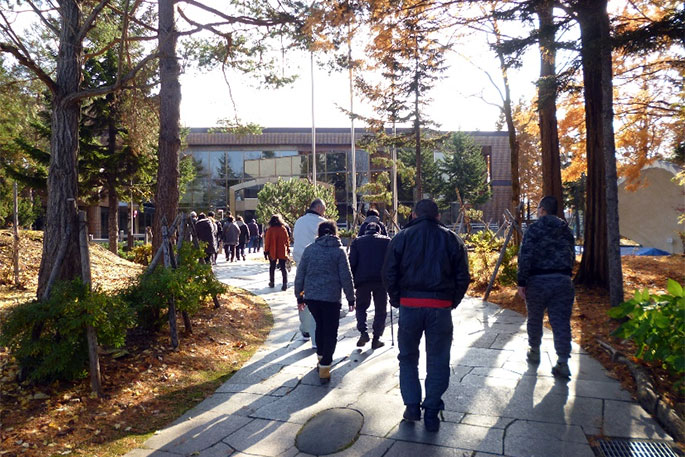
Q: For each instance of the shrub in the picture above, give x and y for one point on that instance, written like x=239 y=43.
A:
x=49 y=338
x=142 y=254
x=486 y=248
x=656 y=323
x=189 y=285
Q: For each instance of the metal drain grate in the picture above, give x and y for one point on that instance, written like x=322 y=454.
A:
x=634 y=448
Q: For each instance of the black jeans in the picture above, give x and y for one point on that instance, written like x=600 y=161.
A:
x=230 y=252
x=281 y=266
x=327 y=317
x=241 y=250
x=380 y=304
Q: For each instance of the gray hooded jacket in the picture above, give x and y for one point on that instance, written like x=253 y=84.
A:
x=323 y=271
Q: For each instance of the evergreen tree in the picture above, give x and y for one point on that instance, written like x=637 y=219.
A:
x=463 y=170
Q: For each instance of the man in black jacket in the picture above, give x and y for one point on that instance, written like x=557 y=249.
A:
x=426 y=273
x=366 y=260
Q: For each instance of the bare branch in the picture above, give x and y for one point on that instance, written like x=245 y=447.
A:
x=29 y=63
x=282 y=18
x=80 y=95
x=88 y=23
x=134 y=19
x=43 y=18
x=116 y=41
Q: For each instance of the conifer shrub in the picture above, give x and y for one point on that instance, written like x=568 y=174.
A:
x=48 y=338
x=190 y=285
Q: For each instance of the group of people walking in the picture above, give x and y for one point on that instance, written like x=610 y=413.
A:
x=231 y=233
x=424 y=272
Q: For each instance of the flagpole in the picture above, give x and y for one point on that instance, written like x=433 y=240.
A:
x=313 y=124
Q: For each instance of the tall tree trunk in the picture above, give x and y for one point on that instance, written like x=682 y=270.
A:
x=513 y=147
x=417 y=128
x=511 y=129
x=63 y=172
x=601 y=262
x=112 y=195
x=547 y=108
x=113 y=216
x=166 y=198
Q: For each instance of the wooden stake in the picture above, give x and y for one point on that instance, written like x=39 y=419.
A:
x=91 y=335
x=499 y=260
x=15 y=249
x=172 y=305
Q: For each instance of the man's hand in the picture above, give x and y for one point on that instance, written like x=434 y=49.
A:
x=301 y=306
x=350 y=304
x=522 y=292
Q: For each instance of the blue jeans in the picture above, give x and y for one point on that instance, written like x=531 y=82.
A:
x=437 y=325
x=253 y=243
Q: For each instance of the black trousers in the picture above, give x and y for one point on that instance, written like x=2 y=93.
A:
x=281 y=266
x=230 y=252
x=380 y=303
x=327 y=317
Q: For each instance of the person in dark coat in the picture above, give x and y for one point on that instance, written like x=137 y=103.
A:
x=253 y=231
x=244 y=237
x=372 y=216
x=367 y=254
x=545 y=265
x=426 y=273
x=231 y=236
x=323 y=270
x=217 y=235
x=206 y=232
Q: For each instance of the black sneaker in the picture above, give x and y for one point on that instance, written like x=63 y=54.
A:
x=412 y=413
x=431 y=420
x=533 y=355
x=377 y=344
x=561 y=370
x=305 y=334
x=271 y=284
x=284 y=287
x=363 y=340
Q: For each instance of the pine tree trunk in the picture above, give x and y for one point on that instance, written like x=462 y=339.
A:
x=547 y=109
x=62 y=173
x=113 y=216
x=112 y=196
x=514 y=148
x=417 y=133
x=601 y=262
x=166 y=198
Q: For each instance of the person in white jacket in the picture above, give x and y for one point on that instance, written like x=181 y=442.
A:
x=304 y=233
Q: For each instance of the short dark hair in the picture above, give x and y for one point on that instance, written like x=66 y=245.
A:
x=426 y=207
x=549 y=204
x=328 y=227
x=229 y=218
x=201 y=216
x=276 y=221
x=371 y=228
x=372 y=212
x=210 y=214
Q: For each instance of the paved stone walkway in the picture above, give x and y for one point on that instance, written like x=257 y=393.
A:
x=496 y=403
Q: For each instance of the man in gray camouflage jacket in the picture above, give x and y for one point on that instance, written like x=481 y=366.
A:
x=545 y=264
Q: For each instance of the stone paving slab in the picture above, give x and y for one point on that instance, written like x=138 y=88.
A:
x=497 y=403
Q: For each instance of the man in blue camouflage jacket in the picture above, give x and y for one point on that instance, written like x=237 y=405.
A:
x=545 y=264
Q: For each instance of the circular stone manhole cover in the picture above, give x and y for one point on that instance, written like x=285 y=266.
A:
x=330 y=431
